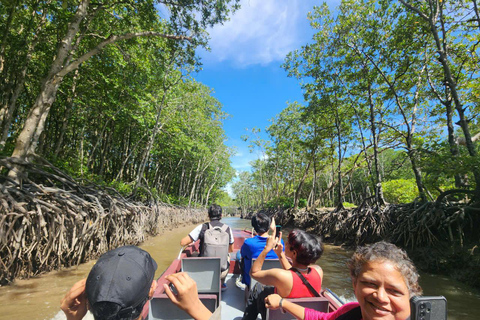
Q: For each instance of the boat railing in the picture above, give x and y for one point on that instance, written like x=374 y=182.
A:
x=335 y=301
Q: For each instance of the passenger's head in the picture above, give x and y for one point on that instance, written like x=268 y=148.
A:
x=303 y=247
x=261 y=223
x=384 y=279
x=120 y=283
x=215 y=212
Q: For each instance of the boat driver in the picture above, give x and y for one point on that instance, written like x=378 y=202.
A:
x=120 y=284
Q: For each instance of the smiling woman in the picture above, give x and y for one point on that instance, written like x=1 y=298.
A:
x=384 y=279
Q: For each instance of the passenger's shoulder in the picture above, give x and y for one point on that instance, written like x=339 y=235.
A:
x=348 y=306
x=248 y=240
x=316 y=267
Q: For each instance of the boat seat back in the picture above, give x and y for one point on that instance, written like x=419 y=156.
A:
x=316 y=303
x=205 y=271
x=267 y=264
x=162 y=308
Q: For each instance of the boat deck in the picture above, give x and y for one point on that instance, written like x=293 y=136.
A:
x=233 y=300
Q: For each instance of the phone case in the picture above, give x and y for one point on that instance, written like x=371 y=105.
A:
x=428 y=308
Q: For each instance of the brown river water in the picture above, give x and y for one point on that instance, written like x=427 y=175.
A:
x=39 y=298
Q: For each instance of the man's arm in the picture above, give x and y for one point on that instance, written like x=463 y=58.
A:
x=186 y=241
x=192 y=236
x=74 y=304
x=232 y=240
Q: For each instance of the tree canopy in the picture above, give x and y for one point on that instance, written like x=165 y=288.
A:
x=390 y=113
x=103 y=90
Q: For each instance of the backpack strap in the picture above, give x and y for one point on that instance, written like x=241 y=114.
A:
x=305 y=282
x=353 y=314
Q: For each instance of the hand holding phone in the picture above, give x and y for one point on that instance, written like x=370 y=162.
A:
x=278 y=230
x=173 y=289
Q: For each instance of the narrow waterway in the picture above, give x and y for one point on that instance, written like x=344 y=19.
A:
x=39 y=298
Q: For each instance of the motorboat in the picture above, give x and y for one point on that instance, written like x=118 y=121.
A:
x=206 y=273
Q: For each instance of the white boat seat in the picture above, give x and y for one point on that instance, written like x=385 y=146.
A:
x=317 y=303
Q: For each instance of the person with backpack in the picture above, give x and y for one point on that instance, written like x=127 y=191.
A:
x=216 y=240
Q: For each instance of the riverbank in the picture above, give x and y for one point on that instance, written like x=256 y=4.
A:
x=459 y=260
x=52 y=221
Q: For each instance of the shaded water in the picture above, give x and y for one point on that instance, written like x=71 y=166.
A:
x=39 y=298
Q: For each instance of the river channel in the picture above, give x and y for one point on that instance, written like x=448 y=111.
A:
x=39 y=298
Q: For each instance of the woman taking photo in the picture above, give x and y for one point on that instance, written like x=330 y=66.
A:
x=299 y=279
x=384 y=279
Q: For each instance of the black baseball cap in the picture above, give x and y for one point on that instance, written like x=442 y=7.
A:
x=122 y=276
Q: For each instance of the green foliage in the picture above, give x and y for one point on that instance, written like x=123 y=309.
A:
x=349 y=205
x=302 y=203
x=379 y=103
x=400 y=190
x=224 y=200
x=122 y=187
x=131 y=117
x=281 y=202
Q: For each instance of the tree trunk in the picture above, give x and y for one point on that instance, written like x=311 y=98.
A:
x=300 y=185
x=47 y=94
x=378 y=178
x=339 y=204
x=8 y=109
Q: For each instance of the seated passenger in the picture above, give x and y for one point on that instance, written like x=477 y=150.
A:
x=384 y=279
x=121 y=283
x=252 y=247
x=300 y=279
x=214 y=214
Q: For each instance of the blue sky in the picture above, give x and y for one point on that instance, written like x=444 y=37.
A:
x=243 y=66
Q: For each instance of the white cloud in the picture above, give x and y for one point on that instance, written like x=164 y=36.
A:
x=242 y=157
x=260 y=32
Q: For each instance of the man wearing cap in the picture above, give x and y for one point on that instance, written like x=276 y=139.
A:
x=120 y=284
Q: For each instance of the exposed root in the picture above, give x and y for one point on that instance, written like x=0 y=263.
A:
x=408 y=225
x=51 y=221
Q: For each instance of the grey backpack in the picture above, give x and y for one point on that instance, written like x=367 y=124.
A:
x=215 y=244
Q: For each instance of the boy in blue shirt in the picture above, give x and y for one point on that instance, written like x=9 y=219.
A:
x=252 y=247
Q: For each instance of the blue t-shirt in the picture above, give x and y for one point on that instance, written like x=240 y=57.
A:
x=251 y=249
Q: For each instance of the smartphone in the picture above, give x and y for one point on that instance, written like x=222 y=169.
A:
x=172 y=287
x=428 y=308
x=278 y=229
